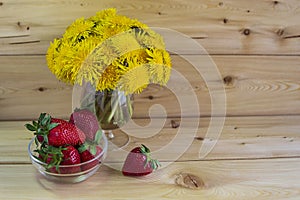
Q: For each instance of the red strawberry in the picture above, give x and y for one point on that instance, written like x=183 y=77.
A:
x=86 y=121
x=71 y=157
x=56 y=132
x=88 y=153
x=58 y=159
x=65 y=133
x=139 y=162
x=40 y=138
x=53 y=120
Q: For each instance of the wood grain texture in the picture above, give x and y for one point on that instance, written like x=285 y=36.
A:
x=222 y=180
x=222 y=27
x=256 y=49
x=254 y=85
x=240 y=138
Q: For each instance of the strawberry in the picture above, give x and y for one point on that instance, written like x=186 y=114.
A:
x=53 y=120
x=139 y=162
x=87 y=153
x=56 y=132
x=71 y=157
x=58 y=159
x=65 y=133
x=86 y=121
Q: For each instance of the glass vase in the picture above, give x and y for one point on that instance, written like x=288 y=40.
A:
x=114 y=109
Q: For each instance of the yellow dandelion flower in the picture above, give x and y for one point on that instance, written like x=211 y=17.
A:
x=88 y=67
x=103 y=15
x=134 y=80
x=108 y=79
x=149 y=39
x=79 y=30
x=52 y=54
x=124 y=42
x=159 y=65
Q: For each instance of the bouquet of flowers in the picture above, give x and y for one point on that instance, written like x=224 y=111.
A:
x=112 y=53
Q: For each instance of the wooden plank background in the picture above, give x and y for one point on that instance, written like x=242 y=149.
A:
x=258 y=85
x=222 y=27
x=256 y=48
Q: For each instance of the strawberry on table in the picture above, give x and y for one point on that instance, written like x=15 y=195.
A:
x=86 y=121
x=139 y=162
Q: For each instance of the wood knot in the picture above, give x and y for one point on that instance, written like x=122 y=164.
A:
x=225 y=20
x=42 y=89
x=1 y=3
x=276 y=2
x=228 y=80
x=199 y=138
x=246 y=31
x=189 y=181
x=221 y=4
x=280 y=32
x=174 y=124
x=150 y=97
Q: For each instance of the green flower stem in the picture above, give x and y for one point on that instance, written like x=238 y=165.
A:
x=128 y=102
x=115 y=103
x=113 y=109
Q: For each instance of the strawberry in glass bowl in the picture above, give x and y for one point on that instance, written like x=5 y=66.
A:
x=62 y=152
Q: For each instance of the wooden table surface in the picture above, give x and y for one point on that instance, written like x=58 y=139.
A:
x=256 y=48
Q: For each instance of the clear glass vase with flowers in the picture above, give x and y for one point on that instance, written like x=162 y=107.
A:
x=109 y=58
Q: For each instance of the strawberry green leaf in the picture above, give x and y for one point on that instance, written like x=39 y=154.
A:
x=98 y=136
x=83 y=148
x=52 y=125
x=93 y=149
x=42 y=116
x=46 y=120
x=35 y=123
x=155 y=164
x=77 y=109
x=145 y=149
x=36 y=141
x=46 y=139
x=30 y=127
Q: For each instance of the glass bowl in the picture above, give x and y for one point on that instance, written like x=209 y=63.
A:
x=69 y=178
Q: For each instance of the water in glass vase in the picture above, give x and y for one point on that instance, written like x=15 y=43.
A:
x=113 y=109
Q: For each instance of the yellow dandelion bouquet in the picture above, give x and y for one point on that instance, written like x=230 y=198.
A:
x=112 y=53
